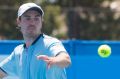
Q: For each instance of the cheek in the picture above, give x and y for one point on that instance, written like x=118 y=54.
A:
x=23 y=25
x=22 y=30
x=39 y=25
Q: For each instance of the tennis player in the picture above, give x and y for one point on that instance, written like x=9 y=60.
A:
x=42 y=56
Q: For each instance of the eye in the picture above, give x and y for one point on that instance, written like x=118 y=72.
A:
x=27 y=18
x=37 y=18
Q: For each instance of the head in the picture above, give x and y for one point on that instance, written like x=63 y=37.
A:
x=29 y=20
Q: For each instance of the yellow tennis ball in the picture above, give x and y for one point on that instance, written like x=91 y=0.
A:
x=104 y=51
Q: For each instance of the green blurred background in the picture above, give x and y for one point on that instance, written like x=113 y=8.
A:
x=67 y=19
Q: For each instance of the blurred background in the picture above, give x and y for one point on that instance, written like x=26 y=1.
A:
x=67 y=19
x=82 y=25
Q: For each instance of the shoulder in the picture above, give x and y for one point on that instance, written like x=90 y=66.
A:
x=18 y=48
x=50 y=39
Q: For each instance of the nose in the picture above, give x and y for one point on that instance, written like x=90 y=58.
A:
x=32 y=21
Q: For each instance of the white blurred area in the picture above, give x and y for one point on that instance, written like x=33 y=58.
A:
x=115 y=5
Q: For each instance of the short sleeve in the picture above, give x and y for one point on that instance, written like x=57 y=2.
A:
x=9 y=65
x=57 y=47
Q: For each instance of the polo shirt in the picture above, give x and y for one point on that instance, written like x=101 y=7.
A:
x=23 y=62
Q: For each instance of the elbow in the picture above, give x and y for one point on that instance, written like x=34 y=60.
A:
x=64 y=60
x=68 y=62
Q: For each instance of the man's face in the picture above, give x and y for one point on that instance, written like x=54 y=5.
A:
x=30 y=23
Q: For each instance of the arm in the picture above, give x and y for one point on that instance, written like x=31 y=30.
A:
x=8 y=66
x=2 y=73
x=61 y=60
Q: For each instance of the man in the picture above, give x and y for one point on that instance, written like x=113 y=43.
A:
x=42 y=56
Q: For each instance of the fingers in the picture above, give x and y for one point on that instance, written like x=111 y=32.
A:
x=42 y=57
x=48 y=60
x=50 y=63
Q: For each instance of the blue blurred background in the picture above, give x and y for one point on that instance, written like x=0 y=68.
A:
x=86 y=63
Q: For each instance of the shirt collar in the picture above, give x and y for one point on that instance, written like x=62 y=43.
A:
x=41 y=35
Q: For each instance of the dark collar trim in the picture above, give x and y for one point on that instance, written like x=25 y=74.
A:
x=41 y=35
x=3 y=70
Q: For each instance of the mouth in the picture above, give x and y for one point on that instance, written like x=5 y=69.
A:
x=31 y=27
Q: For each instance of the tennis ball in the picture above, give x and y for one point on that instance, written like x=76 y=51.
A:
x=104 y=51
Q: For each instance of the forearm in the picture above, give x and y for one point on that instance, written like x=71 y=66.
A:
x=63 y=60
x=2 y=74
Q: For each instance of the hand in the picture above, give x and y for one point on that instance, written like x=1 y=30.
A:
x=49 y=60
x=62 y=60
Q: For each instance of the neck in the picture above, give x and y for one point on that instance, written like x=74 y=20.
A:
x=29 y=40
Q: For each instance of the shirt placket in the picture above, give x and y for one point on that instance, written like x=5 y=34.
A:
x=29 y=52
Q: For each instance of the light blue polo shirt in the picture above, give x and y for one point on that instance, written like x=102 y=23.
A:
x=23 y=62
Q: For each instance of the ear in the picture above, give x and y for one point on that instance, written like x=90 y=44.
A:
x=18 y=22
